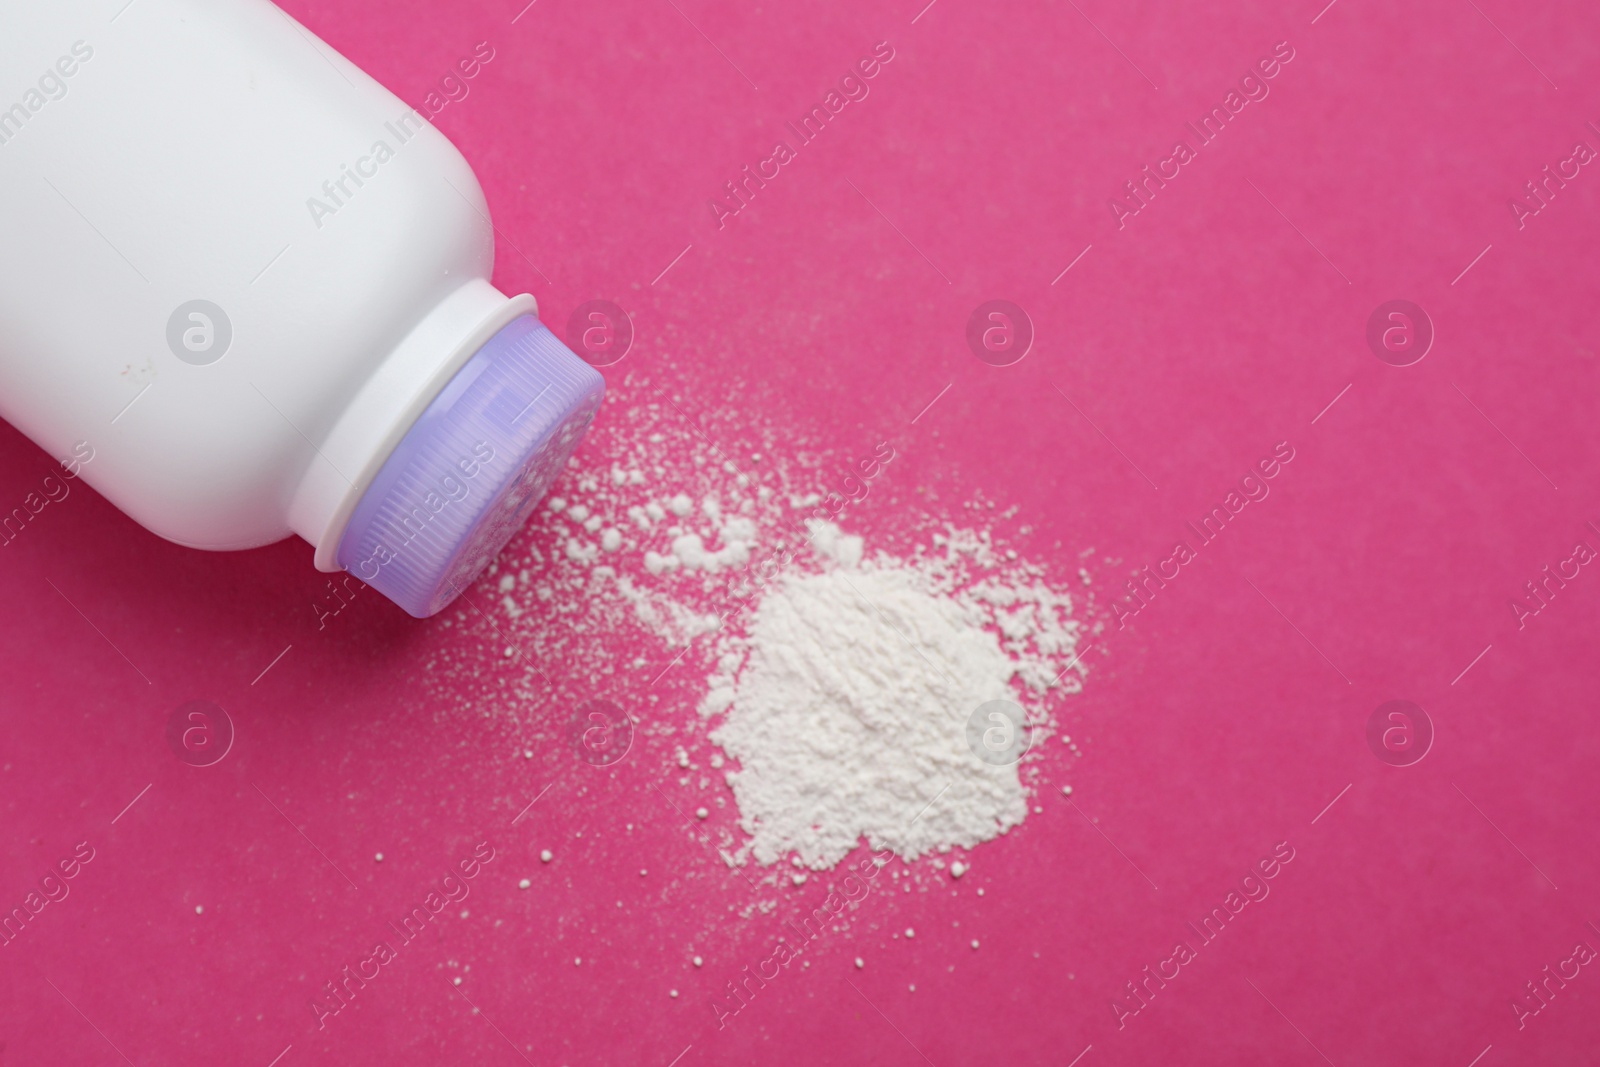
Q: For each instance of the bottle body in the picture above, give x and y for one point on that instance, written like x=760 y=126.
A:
x=234 y=266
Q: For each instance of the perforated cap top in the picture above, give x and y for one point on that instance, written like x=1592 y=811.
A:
x=465 y=477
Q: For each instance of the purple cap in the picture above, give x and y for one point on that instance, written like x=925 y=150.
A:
x=466 y=475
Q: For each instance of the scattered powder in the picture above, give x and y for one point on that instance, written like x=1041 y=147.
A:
x=834 y=677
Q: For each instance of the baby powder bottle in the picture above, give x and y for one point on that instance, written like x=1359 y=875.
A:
x=244 y=293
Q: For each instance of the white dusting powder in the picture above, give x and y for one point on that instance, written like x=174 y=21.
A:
x=737 y=536
x=835 y=684
x=848 y=711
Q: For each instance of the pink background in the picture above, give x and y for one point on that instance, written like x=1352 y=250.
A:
x=1219 y=723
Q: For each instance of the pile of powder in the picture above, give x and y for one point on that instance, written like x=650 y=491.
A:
x=846 y=701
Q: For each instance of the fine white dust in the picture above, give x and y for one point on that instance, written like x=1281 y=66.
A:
x=831 y=677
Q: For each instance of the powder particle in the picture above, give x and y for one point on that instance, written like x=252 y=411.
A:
x=957 y=869
x=546 y=856
x=524 y=884
x=656 y=563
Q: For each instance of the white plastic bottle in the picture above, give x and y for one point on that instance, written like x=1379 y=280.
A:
x=250 y=284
